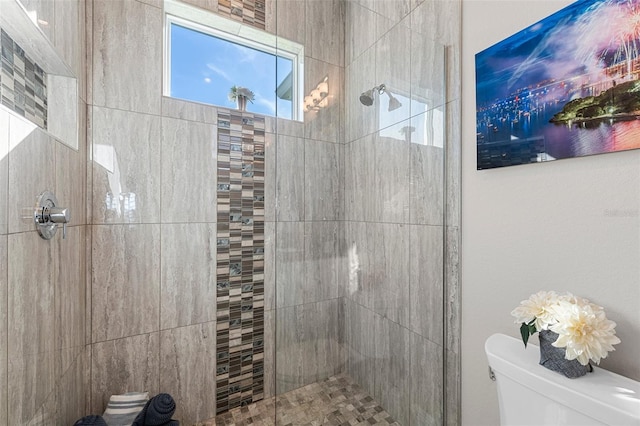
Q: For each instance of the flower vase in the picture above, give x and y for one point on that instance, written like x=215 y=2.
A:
x=241 y=101
x=553 y=358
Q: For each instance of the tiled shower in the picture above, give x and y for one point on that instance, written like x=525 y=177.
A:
x=346 y=234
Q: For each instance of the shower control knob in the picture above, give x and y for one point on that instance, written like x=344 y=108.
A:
x=47 y=216
x=59 y=215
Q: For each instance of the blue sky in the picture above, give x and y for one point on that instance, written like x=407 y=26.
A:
x=203 y=69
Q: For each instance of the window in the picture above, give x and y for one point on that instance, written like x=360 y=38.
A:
x=206 y=55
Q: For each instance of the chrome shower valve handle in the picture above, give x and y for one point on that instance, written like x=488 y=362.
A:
x=47 y=216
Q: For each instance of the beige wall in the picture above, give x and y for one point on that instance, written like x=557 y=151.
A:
x=569 y=225
x=43 y=364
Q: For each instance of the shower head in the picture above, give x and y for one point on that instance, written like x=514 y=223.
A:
x=394 y=103
x=366 y=98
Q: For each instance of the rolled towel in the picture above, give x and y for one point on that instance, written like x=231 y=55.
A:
x=123 y=409
x=92 y=420
x=157 y=411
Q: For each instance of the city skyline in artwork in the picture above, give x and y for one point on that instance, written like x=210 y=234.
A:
x=566 y=86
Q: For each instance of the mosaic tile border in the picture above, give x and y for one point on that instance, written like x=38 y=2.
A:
x=23 y=84
x=250 y=12
x=240 y=260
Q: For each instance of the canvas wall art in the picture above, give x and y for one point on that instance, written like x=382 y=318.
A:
x=566 y=86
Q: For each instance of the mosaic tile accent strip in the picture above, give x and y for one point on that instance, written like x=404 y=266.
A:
x=337 y=400
x=23 y=84
x=250 y=12
x=240 y=260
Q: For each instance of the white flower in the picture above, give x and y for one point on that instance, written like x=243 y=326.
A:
x=538 y=306
x=584 y=330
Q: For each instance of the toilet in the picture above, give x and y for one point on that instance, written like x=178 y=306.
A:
x=529 y=394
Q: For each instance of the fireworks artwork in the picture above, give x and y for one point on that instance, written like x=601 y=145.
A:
x=566 y=86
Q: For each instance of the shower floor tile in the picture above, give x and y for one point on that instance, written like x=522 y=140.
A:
x=337 y=401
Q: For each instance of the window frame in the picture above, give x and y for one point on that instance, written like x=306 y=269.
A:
x=212 y=24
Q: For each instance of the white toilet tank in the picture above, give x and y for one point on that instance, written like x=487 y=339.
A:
x=530 y=394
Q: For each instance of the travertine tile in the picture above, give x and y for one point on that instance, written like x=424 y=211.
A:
x=211 y=5
x=4 y=169
x=393 y=69
x=31 y=167
x=360 y=340
x=186 y=110
x=428 y=70
x=426 y=281
x=395 y=10
x=188 y=262
x=392 y=368
x=322 y=257
x=270 y=282
x=269 y=353
x=452 y=289
x=124 y=365
x=70 y=297
x=426 y=389
x=71 y=390
x=187 y=366
x=188 y=155
x=290 y=178
x=126 y=167
x=427 y=184
x=440 y=21
x=307 y=346
x=270 y=173
x=126 y=280
x=290 y=267
x=391 y=184
x=364 y=27
x=453 y=166
x=323 y=181
x=290 y=17
x=45 y=12
x=127 y=36
x=324 y=123
x=325 y=31
x=68 y=35
x=31 y=325
x=360 y=120
x=4 y=385
x=383 y=272
x=359 y=173
x=452 y=389
x=70 y=188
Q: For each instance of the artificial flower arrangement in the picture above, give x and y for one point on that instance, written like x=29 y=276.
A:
x=582 y=327
x=238 y=91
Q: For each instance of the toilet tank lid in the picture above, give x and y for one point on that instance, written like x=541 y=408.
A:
x=599 y=393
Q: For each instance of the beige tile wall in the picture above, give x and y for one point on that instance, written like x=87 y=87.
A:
x=145 y=197
x=153 y=267
x=43 y=364
x=401 y=206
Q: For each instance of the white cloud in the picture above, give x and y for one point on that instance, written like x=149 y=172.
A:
x=246 y=54
x=207 y=80
x=221 y=73
x=269 y=104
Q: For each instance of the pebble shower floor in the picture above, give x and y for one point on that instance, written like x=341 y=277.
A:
x=335 y=401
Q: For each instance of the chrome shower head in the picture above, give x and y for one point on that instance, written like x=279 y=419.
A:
x=366 y=98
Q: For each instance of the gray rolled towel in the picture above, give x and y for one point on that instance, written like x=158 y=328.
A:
x=157 y=412
x=92 y=420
